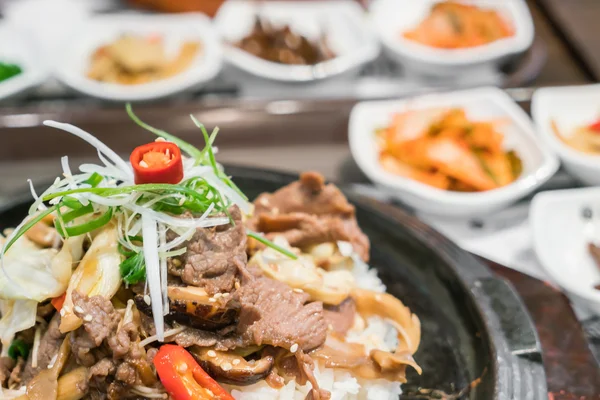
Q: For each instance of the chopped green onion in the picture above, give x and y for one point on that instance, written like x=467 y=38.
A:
x=29 y=225
x=270 y=244
x=18 y=348
x=133 y=268
x=79 y=212
x=183 y=145
x=147 y=187
x=76 y=230
x=71 y=202
x=211 y=156
x=94 y=180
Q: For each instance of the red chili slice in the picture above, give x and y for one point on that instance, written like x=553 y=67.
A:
x=157 y=162
x=183 y=378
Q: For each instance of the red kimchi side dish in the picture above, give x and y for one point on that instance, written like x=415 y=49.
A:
x=157 y=278
x=453 y=25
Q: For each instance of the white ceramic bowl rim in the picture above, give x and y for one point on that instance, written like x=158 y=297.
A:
x=367 y=52
x=538 y=204
x=203 y=70
x=568 y=153
x=521 y=41
x=545 y=170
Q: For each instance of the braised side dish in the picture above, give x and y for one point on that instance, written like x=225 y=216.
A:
x=445 y=149
x=149 y=280
x=453 y=25
x=134 y=60
x=282 y=45
x=585 y=138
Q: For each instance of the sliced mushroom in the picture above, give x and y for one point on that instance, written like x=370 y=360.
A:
x=43 y=235
x=230 y=368
x=192 y=306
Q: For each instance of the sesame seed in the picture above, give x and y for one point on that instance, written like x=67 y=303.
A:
x=236 y=361
x=237 y=285
x=217 y=295
x=147 y=299
x=78 y=309
x=182 y=368
x=143 y=164
x=160 y=139
x=297 y=290
x=225 y=294
x=212 y=299
x=88 y=318
x=211 y=353
x=176 y=262
x=294 y=348
x=226 y=366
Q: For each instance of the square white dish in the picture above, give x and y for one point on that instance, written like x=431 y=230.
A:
x=539 y=164
x=18 y=47
x=561 y=235
x=174 y=29
x=391 y=18
x=569 y=106
x=348 y=36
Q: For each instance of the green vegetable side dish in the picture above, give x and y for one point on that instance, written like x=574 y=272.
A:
x=8 y=71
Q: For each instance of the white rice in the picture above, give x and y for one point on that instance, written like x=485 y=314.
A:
x=343 y=386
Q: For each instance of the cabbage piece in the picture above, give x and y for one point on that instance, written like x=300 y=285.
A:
x=17 y=315
x=97 y=274
x=32 y=273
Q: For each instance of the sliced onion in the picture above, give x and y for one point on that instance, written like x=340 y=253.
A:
x=104 y=149
x=174 y=221
x=150 y=235
x=162 y=239
x=112 y=172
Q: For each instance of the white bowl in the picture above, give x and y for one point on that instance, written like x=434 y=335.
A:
x=342 y=21
x=74 y=62
x=539 y=164
x=570 y=107
x=391 y=18
x=561 y=236
x=20 y=48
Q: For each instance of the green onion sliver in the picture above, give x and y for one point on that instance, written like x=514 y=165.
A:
x=94 y=180
x=270 y=244
x=29 y=225
x=86 y=227
x=18 y=348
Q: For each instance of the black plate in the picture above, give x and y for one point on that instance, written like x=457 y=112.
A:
x=473 y=323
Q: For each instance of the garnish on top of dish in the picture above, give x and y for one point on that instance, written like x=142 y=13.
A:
x=454 y=25
x=9 y=70
x=134 y=60
x=443 y=148
x=584 y=138
x=283 y=45
x=149 y=280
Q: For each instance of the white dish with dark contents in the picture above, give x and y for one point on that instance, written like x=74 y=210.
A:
x=560 y=111
x=392 y=18
x=175 y=31
x=338 y=25
x=22 y=53
x=564 y=224
x=539 y=164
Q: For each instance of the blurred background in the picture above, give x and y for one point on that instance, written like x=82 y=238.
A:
x=297 y=85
